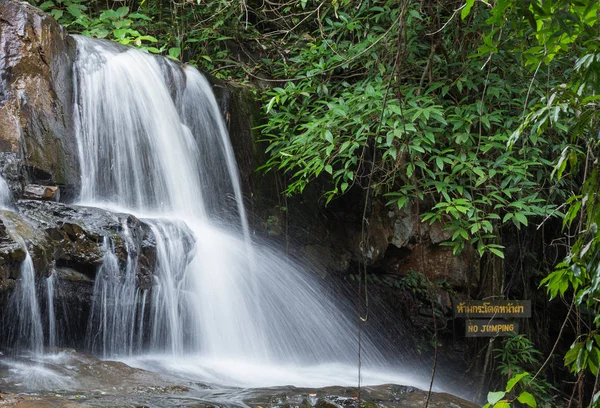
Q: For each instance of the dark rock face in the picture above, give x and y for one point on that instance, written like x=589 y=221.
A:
x=241 y=112
x=36 y=96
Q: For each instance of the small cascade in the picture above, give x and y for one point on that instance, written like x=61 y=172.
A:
x=23 y=315
x=5 y=194
x=50 y=282
x=173 y=304
x=112 y=324
x=27 y=310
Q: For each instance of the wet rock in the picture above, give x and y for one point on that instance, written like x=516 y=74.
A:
x=13 y=172
x=436 y=263
x=36 y=94
x=11 y=254
x=37 y=192
x=390 y=395
x=241 y=111
x=75 y=235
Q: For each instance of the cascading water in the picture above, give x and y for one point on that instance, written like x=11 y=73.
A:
x=5 y=195
x=152 y=142
x=50 y=282
x=24 y=309
x=25 y=303
x=113 y=314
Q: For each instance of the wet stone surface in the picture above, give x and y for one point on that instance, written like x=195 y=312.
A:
x=179 y=396
x=66 y=378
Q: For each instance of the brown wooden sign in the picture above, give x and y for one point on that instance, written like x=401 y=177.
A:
x=491 y=328
x=493 y=309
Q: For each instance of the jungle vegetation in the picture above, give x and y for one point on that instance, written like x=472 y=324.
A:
x=485 y=113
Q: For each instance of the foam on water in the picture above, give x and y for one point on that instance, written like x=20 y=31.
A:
x=254 y=374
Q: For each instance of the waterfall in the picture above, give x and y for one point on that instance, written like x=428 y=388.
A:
x=26 y=310
x=152 y=142
x=26 y=329
x=50 y=281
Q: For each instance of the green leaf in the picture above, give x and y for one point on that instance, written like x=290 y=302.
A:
x=521 y=218
x=527 y=399
x=440 y=162
x=496 y=252
x=46 y=5
x=120 y=33
x=75 y=10
x=513 y=381
x=271 y=103
x=494 y=397
x=139 y=16
x=174 y=52
x=122 y=11
x=56 y=14
x=467 y=9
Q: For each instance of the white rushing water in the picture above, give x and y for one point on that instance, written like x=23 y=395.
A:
x=26 y=328
x=50 y=283
x=152 y=142
x=5 y=194
x=28 y=309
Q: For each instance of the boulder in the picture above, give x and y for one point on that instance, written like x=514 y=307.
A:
x=36 y=96
x=74 y=236
x=11 y=254
x=45 y=193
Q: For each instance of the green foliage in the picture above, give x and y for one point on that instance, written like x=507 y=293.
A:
x=502 y=399
x=517 y=358
x=414 y=282
x=351 y=118
x=201 y=32
x=568 y=31
x=119 y=25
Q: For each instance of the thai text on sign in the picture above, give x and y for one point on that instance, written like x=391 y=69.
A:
x=496 y=308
